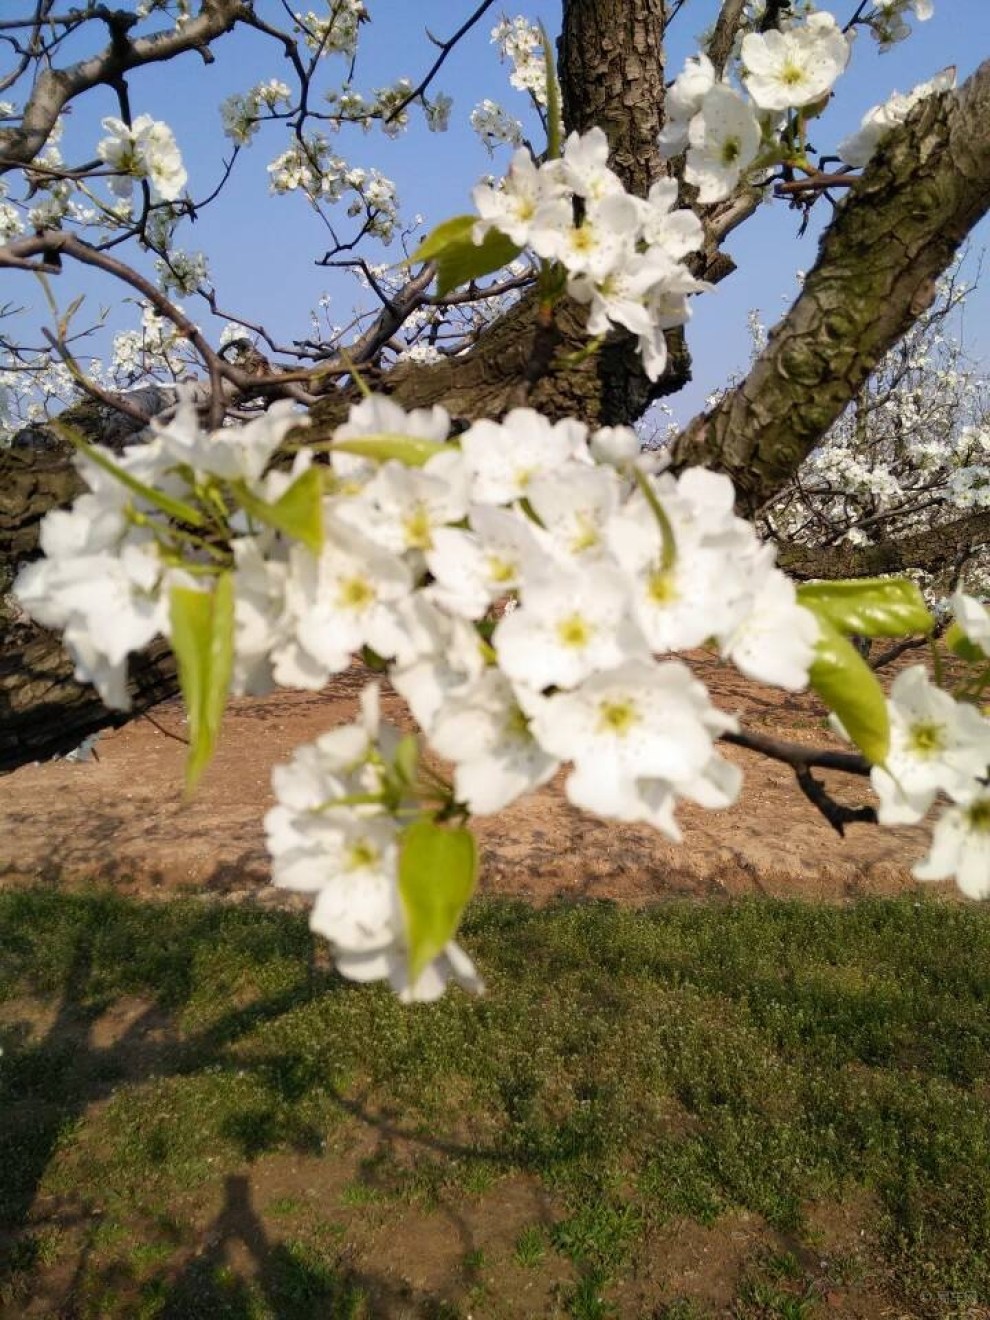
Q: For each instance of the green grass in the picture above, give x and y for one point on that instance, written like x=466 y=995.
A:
x=629 y=1068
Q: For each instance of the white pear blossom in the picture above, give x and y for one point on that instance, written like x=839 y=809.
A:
x=961 y=846
x=529 y=205
x=483 y=729
x=504 y=457
x=775 y=639
x=144 y=150
x=859 y=147
x=603 y=242
x=795 y=67
x=676 y=231
x=233 y=453
x=474 y=568
x=583 y=166
x=568 y=625
x=520 y=41
x=107 y=604
x=574 y=507
x=379 y=415
x=724 y=140
x=337 y=604
x=403 y=508
x=627 y=728
x=346 y=853
x=495 y=126
x=683 y=102
x=936 y=745
x=426 y=676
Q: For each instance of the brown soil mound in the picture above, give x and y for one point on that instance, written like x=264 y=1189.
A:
x=122 y=819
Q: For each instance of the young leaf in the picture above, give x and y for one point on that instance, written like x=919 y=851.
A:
x=203 y=642
x=437 y=870
x=459 y=260
x=849 y=687
x=454 y=230
x=871 y=607
x=298 y=512
x=467 y=261
x=554 y=117
x=960 y=645
x=407 y=449
x=176 y=509
x=406 y=758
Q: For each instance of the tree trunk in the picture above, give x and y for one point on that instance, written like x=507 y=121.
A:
x=44 y=710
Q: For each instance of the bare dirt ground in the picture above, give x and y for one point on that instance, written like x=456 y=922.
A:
x=122 y=819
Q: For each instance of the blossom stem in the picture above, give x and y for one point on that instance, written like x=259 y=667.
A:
x=669 y=555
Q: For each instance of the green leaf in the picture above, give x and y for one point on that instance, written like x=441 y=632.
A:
x=407 y=449
x=406 y=758
x=467 y=261
x=960 y=645
x=554 y=117
x=176 y=509
x=203 y=642
x=298 y=511
x=849 y=687
x=871 y=607
x=454 y=230
x=437 y=870
x=458 y=258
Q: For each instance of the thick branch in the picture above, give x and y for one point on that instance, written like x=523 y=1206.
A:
x=931 y=550
x=611 y=75
x=875 y=275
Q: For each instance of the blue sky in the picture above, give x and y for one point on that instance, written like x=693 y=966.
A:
x=263 y=249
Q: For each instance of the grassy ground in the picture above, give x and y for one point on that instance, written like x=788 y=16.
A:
x=758 y=1110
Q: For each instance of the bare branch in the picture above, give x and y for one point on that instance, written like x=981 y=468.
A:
x=55 y=88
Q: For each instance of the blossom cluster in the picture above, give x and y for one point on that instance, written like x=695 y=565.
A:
x=913 y=450
x=727 y=131
x=335 y=33
x=623 y=257
x=611 y=563
x=521 y=43
x=145 y=149
x=940 y=747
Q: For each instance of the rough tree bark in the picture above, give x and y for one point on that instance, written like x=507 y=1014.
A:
x=935 y=549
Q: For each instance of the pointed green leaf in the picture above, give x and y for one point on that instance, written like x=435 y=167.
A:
x=466 y=261
x=407 y=449
x=849 y=687
x=871 y=607
x=454 y=230
x=960 y=645
x=298 y=512
x=459 y=260
x=176 y=509
x=437 y=870
x=203 y=642
x=554 y=117
x=406 y=758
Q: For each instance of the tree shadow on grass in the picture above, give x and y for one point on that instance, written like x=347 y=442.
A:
x=61 y=1061
x=82 y=1053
